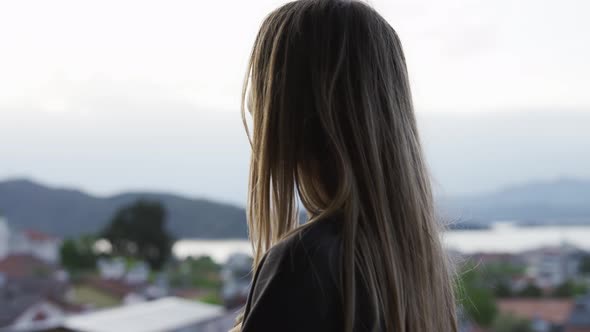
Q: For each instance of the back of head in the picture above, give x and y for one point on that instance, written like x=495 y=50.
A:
x=333 y=122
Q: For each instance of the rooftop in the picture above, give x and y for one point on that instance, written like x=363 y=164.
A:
x=552 y=310
x=160 y=315
x=22 y=265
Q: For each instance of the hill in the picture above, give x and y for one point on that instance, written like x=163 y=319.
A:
x=66 y=212
x=564 y=201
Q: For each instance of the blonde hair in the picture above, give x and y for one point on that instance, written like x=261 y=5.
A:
x=333 y=125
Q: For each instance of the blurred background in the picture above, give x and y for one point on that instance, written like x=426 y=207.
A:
x=123 y=160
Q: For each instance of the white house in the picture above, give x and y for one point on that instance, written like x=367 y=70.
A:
x=117 y=268
x=112 y=268
x=38 y=244
x=551 y=266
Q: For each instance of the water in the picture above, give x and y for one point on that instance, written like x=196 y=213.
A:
x=502 y=237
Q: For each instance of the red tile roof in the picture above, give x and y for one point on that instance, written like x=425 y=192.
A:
x=552 y=310
x=35 y=235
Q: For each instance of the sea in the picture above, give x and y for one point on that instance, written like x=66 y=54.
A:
x=500 y=237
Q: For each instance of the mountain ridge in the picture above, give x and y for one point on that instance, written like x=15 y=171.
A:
x=70 y=212
x=559 y=201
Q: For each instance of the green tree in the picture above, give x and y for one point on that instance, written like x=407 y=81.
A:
x=509 y=323
x=138 y=230
x=78 y=254
x=201 y=272
x=585 y=265
x=531 y=290
x=502 y=289
x=475 y=297
x=503 y=271
x=569 y=288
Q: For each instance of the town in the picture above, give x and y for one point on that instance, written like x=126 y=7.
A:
x=91 y=284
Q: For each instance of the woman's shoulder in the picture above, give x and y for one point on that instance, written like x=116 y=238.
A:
x=314 y=244
x=295 y=287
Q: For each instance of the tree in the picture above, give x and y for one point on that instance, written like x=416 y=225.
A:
x=585 y=265
x=531 y=290
x=78 y=254
x=502 y=289
x=569 y=289
x=476 y=299
x=509 y=323
x=138 y=231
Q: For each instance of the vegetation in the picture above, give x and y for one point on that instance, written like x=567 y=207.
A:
x=499 y=276
x=570 y=289
x=585 y=265
x=78 y=254
x=212 y=298
x=509 y=323
x=138 y=230
x=531 y=290
x=87 y=295
x=503 y=289
x=475 y=297
x=202 y=273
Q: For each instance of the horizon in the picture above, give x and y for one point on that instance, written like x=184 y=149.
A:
x=208 y=156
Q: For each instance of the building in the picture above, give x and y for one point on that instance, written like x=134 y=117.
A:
x=32 y=304
x=15 y=266
x=579 y=319
x=118 y=268
x=28 y=242
x=38 y=244
x=545 y=315
x=552 y=266
x=167 y=314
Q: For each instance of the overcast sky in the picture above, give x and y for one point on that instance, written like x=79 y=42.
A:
x=114 y=95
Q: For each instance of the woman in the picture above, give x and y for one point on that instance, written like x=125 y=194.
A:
x=334 y=129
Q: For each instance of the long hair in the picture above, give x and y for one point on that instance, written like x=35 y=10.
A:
x=333 y=127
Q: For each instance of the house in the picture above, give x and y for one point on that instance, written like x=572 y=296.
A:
x=25 y=265
x=118 y=268
x=552 y=266
x=32 y=303
x=545 y=315
x=166 y=314
x=36 y=243
x=579 y=319
x=28 y=242
x=112 y=268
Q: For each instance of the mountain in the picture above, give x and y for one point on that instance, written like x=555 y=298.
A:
x=66 y=212
x=563 y=201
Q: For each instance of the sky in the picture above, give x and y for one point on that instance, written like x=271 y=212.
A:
x=144 y=95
